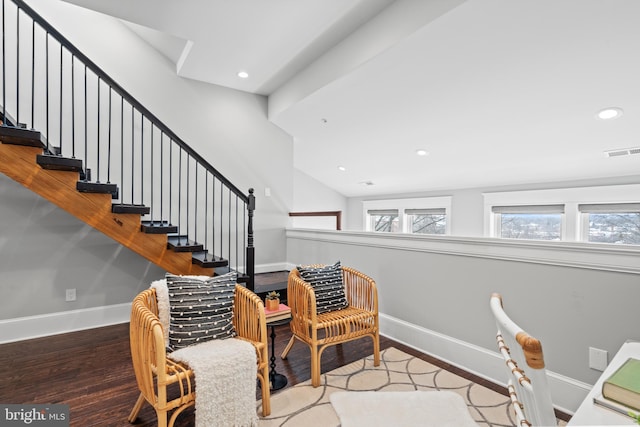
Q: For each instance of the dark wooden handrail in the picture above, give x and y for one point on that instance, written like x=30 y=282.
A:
x=337 y=214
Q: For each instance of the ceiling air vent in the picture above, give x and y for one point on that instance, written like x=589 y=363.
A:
x=622 y=152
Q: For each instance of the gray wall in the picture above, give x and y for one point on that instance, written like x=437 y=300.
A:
x=44 y=250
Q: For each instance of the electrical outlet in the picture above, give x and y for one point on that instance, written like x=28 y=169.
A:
x=598 y=359
x=71 y=294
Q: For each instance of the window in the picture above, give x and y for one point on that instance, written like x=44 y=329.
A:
x=605 y=214
x=427 y=221
x=428 y=215
x=537 y=222
x=384 y=220
x=611 y=223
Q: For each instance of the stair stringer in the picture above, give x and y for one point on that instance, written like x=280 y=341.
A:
x=59 y=187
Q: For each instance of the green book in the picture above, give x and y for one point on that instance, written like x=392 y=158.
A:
x=623 y=386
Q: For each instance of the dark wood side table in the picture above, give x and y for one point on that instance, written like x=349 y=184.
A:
x=276 y=380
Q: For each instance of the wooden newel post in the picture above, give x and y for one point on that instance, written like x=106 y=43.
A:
x=251 y=261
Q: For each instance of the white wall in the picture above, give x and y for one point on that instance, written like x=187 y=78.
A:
x=43 y=250
x=310 y=195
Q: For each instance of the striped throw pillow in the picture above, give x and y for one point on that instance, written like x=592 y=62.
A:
x=200 y=309
x=328 y=286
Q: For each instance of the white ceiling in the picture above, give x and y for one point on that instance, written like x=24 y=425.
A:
x=498 y=92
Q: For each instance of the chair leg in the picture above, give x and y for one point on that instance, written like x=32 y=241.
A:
x=288 y=347
x=376 y=349
x=266 y=393
x=136 y=408
x=315 y=366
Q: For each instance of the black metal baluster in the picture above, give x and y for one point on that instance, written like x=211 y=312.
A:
x=73 y=108
x=133 y=151
x=213 y=214
x=4 y=73
x=162 y=177
x=142 y=162
x=98 y=135
x=86 y=129
x=46 y=90
x=180 y=189
x=188 y=191
x=60 y=105
x=33 y=67
x=195 y=209
x=151 y=177
x=122 y=148
x=109 y=141
x=171 y=179
x=18 y=67
x=221 y=218
x=206 y=211
x=244 y=233
x=236 y=229
x=229 y=229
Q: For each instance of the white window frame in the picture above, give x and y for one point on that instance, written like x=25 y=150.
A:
x=584 y=211
x=497 y=212
x=440 y=202
x=573 y=222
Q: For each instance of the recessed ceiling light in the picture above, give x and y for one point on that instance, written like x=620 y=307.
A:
x=422 y=152
x=342 y=168
x=609 y=113
x=243 y=74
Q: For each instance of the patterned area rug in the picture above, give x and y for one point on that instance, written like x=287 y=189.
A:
x=398 y=371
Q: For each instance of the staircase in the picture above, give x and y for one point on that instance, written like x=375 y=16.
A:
x=75 y=137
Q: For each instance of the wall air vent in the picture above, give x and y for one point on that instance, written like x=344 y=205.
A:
x=622 y=152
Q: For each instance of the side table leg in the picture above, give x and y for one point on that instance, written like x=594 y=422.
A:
x=276 y=380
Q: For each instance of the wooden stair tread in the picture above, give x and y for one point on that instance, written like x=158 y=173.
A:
x=98 y=187
x=130 y=209
x=21 y=136
x=180 y=243
x=205 y=259
x=158 y=227
x=52 y=162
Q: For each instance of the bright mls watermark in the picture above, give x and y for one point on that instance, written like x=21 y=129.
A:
x=53 y=415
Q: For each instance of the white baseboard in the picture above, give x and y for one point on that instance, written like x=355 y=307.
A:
x=23 y=328
x=268 y=268
x=566 y=393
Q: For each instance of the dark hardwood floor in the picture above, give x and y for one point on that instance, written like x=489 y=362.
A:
x=91 y=371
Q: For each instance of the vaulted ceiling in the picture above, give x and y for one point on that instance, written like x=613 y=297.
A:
x=498 y=92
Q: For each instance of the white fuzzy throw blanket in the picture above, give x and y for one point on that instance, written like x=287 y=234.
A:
x=225 y=372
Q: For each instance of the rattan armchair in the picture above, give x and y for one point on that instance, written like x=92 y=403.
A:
x=318 y=331
x=168 y=385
